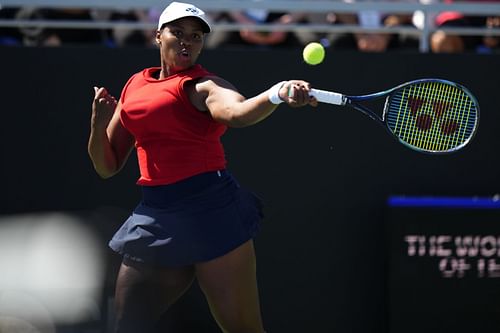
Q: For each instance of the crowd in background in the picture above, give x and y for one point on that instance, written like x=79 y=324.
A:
x=439 y=41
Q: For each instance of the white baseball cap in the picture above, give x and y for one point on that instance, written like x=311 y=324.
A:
x=177 y=10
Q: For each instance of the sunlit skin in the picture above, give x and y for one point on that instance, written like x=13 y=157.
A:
x=180 y=44
x=444 y=43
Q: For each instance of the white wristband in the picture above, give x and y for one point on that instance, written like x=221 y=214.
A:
x=274 y=96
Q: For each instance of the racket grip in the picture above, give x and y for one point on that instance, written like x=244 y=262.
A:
x=329 y=97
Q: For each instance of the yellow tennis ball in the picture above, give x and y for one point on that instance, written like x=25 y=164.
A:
x=313 y=53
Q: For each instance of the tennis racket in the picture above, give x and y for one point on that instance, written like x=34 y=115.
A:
x=426 y=115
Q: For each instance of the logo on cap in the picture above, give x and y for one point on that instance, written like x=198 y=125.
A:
x=192 y=10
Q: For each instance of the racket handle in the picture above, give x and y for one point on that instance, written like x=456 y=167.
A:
x=329 y=97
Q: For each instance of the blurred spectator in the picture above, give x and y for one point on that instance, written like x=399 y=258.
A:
x=217 y=37
x=364 y=42
x=305 y=37
x=443 y=42
x=9 y=36
x=59 y=36
x=374 y=41
x=279 y=38
x=122 y=36
x=491 y=43
x=257 y=16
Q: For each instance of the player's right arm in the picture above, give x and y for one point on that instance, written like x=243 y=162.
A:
x=226 y=105
x=109 y=142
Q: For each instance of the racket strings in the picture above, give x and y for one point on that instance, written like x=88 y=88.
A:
x=424 y=129
x=456 y=115
x=432 y=116
x=441 y=104
x=432 y=141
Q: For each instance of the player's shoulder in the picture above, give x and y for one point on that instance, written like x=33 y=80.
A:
x=213 y=79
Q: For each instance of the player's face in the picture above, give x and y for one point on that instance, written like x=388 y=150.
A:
x=180 y=43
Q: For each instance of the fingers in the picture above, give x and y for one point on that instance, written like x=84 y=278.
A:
x=101 y=96
x=108 y=100
x=298 y=94
x=98 y=92
x=101 y=93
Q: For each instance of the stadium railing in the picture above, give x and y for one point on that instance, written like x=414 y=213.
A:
x=400 y=7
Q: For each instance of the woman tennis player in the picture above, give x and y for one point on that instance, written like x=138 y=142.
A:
x=194 y=220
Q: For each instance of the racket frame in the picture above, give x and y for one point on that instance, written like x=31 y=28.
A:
x=354 y=102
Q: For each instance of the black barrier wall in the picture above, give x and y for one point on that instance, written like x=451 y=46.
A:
x=325 y=174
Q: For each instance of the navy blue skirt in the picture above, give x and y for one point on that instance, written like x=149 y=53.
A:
x=194 y=220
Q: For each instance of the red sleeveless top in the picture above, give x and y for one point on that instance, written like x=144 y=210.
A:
x=174 y=140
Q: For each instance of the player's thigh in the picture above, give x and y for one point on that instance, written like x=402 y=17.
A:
x=143 y=293
x=230 y=285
